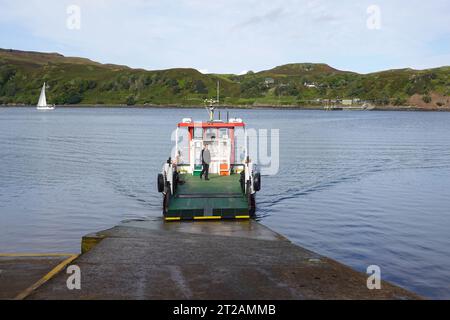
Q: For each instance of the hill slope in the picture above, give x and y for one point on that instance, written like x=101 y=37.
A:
x=79 y=80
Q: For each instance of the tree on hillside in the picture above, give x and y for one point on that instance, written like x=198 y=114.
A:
x=426 y=98
x=131 y=100
x=6 y=73
x=200 y=87
x=287 y=90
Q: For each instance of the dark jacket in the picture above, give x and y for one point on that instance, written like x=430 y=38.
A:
x=206 y=156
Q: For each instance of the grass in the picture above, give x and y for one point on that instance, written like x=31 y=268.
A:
x=78 y=80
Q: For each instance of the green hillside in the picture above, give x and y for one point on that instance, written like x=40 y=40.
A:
x=81 y=81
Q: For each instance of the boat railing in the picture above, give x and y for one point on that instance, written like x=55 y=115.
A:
x=233 y=165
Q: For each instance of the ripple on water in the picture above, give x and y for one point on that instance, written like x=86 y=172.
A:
x=362 y=188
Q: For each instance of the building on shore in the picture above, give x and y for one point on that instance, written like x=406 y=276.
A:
x=310 y=85
x=269 y=82
x=347 y=102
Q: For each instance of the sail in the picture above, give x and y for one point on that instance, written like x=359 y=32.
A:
x=42 y=99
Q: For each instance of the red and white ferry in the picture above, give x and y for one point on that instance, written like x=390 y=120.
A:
x=233 y=178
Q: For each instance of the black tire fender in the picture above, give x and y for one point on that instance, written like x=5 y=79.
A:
x=257 y=181
x=160 y=182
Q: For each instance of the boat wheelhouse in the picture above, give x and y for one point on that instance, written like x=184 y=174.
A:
x=234 y=179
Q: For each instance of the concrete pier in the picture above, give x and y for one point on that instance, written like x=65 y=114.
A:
x=207 y=260
x=22 y=273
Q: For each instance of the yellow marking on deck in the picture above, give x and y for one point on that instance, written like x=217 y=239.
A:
x=208 y=218
x=205 y=218
x=48 y=276
x=173 y=219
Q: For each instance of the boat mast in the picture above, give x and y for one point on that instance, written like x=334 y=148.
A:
x=218 y=91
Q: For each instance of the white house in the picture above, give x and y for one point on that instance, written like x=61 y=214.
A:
x=310 y=85
x=269 y=81
x=347 y=102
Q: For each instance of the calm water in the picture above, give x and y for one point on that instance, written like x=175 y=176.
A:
x=361 y=187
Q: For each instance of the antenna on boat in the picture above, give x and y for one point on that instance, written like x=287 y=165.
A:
x=211 y=102
x=210 y=108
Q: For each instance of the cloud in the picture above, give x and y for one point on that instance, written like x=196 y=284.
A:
x=233 y=35
x=268 y=17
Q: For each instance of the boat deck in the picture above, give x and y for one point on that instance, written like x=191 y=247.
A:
x=220 y=197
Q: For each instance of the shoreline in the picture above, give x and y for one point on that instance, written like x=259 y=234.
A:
x=249 y=107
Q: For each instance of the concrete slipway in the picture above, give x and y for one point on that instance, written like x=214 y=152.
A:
x=206 y=260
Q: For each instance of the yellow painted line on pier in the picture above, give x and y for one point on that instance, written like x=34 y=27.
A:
x=242 y=217
x=48 y=276
x=25 y=255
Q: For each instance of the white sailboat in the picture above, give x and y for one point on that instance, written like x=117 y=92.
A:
x=42 y=103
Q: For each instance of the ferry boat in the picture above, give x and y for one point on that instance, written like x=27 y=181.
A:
x=233 y=178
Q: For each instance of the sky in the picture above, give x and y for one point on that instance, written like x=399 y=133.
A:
x=234 y=36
